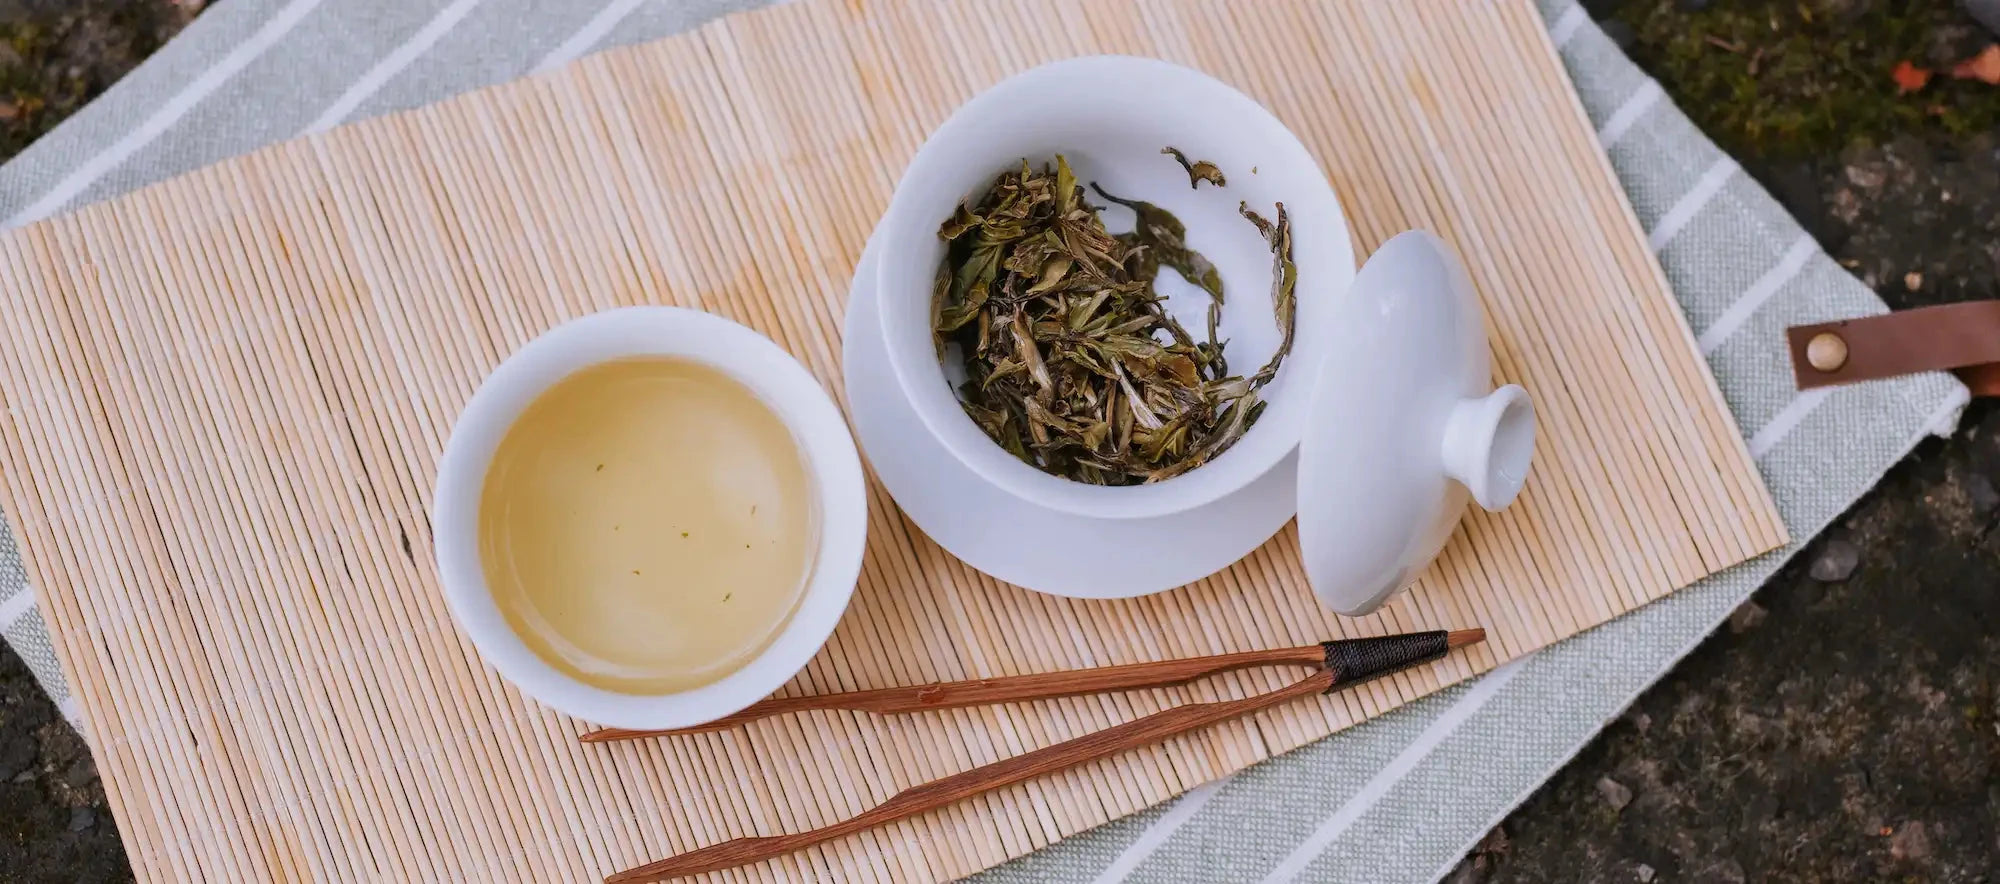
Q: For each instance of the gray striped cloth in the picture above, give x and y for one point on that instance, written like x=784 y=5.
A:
x=1363 y=805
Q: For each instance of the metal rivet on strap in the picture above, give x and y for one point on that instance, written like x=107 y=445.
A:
x=1826 y=352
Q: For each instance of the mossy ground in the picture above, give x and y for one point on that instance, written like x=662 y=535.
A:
x=1792 y=78
x=56 y=55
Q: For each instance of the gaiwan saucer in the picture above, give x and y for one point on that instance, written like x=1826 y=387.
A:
x=1384 y=413
x=1018 y=541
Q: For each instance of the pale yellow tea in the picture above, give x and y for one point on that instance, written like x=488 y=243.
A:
x=647 y=525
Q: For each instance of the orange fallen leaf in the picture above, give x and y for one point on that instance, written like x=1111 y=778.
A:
x=1909 y=78
x=1984 y=67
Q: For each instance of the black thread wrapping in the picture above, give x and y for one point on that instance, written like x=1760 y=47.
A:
x=1360 y=659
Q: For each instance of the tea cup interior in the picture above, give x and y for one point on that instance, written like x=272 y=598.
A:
x=767 y=370
x=1109 y=117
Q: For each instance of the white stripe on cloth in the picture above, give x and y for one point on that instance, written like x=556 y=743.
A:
x=1691 y=203
x=1746 y=304
x=15 y=607
x=392 y=64
x=1786 y=420
x=1629 y=113
x=1567 y=25
x=1158 y=833
x=1386 y=779
x=588 y=35
x=170 y=112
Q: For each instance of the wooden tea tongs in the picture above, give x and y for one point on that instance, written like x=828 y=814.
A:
x=1340 y=663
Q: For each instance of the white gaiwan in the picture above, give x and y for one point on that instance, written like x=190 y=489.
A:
x=1386 y=396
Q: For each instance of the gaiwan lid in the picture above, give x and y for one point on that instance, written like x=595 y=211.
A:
x=1403 y=425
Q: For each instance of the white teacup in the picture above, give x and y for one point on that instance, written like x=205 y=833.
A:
x=751 y=359
x=1109 y=116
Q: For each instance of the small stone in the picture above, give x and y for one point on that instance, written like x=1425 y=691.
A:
x=80 y=774
x=1867 y=176
x=1640 y=721
x=1980 y=491
x=1614 y=793
x=17 y=754
x=23 y=777
x=1746 y=617
x=81 y=818
x=1836 y=562
x=1847 y=207
x=1644 y=873
x=1913 y=280
x=1910 y=842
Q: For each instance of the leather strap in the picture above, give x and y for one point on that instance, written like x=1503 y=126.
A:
x=1963 y=337
x=1983 y=379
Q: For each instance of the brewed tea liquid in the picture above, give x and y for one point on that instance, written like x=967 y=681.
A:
x=647 y=525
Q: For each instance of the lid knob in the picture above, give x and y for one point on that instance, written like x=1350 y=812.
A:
x=1488 y=443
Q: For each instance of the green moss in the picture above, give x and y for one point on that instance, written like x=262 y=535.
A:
x=55 y=57
x=1787 y=78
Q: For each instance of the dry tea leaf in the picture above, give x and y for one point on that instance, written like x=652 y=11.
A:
x=1071 y=360
x=1284 y=285
x=1197 y=171
x=1164 y=240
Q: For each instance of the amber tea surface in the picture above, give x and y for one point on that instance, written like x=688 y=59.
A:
x=647 y=525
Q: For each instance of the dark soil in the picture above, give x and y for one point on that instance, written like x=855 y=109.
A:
x=1840 y=730
x=54 y=825
x=56 y=55
x=1843 y=729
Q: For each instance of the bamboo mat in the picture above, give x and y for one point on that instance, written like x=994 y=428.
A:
x=225 y=397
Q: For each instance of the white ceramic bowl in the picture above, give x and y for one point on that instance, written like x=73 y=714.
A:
x=743 y=354
x=1109 y=116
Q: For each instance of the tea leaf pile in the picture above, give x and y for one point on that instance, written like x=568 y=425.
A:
x=1072 y=362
